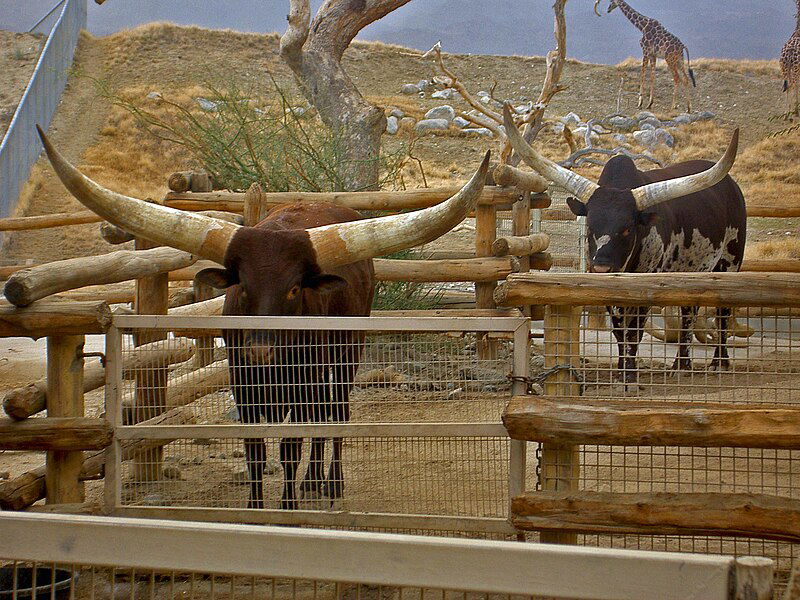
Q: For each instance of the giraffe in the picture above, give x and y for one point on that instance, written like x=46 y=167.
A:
x=790 y=66
x=656 y=43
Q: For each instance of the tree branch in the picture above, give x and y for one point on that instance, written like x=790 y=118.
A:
x=296 y=32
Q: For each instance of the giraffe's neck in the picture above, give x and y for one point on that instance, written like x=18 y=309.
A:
x=638 y=19
x=797 y=17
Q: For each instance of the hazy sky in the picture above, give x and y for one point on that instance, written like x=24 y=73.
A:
x=721 y=28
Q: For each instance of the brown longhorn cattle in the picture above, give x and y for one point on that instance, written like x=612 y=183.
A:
x=301 y=260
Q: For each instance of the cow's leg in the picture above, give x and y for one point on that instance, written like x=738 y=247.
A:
x=291 y=449
x=683 y=362
x=312 y=484
x=721 y=360
x=618 y=329
x=634 y=331
x=246 y=395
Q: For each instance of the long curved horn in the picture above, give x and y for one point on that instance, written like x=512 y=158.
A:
x=197 y=234
x=575 y=184
x=661 y=191
x=344 y=243
x=595 y=7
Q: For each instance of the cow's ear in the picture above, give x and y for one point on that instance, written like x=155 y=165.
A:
x=576 y=206
x=324 y=283
x=217 y=278
x=648 y=218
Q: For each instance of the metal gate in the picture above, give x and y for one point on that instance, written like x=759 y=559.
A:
x=423 y=449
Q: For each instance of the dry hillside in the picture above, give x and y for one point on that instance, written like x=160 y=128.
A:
x=110 y=146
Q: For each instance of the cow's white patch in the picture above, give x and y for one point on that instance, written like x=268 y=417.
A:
x=601 y=241
x=702 y=254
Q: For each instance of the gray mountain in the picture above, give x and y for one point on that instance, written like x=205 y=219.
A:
x=713 y=28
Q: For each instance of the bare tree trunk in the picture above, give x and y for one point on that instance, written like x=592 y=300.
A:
x=314 y=52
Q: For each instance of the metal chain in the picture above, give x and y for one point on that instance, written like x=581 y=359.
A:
x=540 y=378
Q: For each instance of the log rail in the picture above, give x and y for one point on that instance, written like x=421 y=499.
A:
x=659 y=513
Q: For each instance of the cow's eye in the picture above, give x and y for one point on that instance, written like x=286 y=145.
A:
x=293 y=293
x=626 y=232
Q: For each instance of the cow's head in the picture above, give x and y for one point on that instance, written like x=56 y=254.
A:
x=271 y=267
x=616 y=219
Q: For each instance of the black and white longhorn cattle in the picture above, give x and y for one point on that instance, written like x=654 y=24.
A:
x=301 y=260
x=687 y=217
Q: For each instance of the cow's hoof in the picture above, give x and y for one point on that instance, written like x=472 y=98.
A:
x=311 y=490
x=334 y=490
x=718 y=366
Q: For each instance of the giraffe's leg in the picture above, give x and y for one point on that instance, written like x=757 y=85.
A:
x=652 y=79
x=641 y=80
x=676 y=80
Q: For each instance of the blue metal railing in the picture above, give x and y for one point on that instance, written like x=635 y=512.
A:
x=21 y=147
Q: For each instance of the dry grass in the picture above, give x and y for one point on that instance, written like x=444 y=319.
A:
x=788 y=247
x=767 y=68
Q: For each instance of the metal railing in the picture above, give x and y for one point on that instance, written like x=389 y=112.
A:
x=21 y=147
x=100 y=557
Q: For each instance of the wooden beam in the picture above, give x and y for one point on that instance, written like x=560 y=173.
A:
x=54 y=318
x=771 y=265
x=55 y=433
x=661 y=289
x=660 y=513
x=773 y=211
x=47 y=221
x=643 y=423
x=23 y=402
x=521 y=245
x=389 y=201
x=559 y=462
x=506 y=175
x=29 y=285
x=423 y=271
x=22 y=491
x=65 y=392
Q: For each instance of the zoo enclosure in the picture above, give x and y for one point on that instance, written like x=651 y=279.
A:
x=20 y=147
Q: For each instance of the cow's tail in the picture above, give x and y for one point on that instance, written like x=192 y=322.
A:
x=689 y=67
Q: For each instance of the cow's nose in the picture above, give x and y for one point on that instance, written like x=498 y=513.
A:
x=600 y=268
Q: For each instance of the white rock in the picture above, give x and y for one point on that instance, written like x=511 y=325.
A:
x=445 y=111
x=482 y=131
x=392 y=125
x=432 y=125
x=461 y=122
x=444 y=94
x=570 y=119
x=409 y=88
x=206 y=104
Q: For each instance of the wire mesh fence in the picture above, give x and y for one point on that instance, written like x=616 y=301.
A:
x=395 y=418
x=743 y=357
x=20 y=147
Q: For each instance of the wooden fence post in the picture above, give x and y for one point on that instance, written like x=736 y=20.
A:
x=560 y=464
x=64 y=399
x=521 y=226
x=485 y=234
x=152 y=298
x=255 y=207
